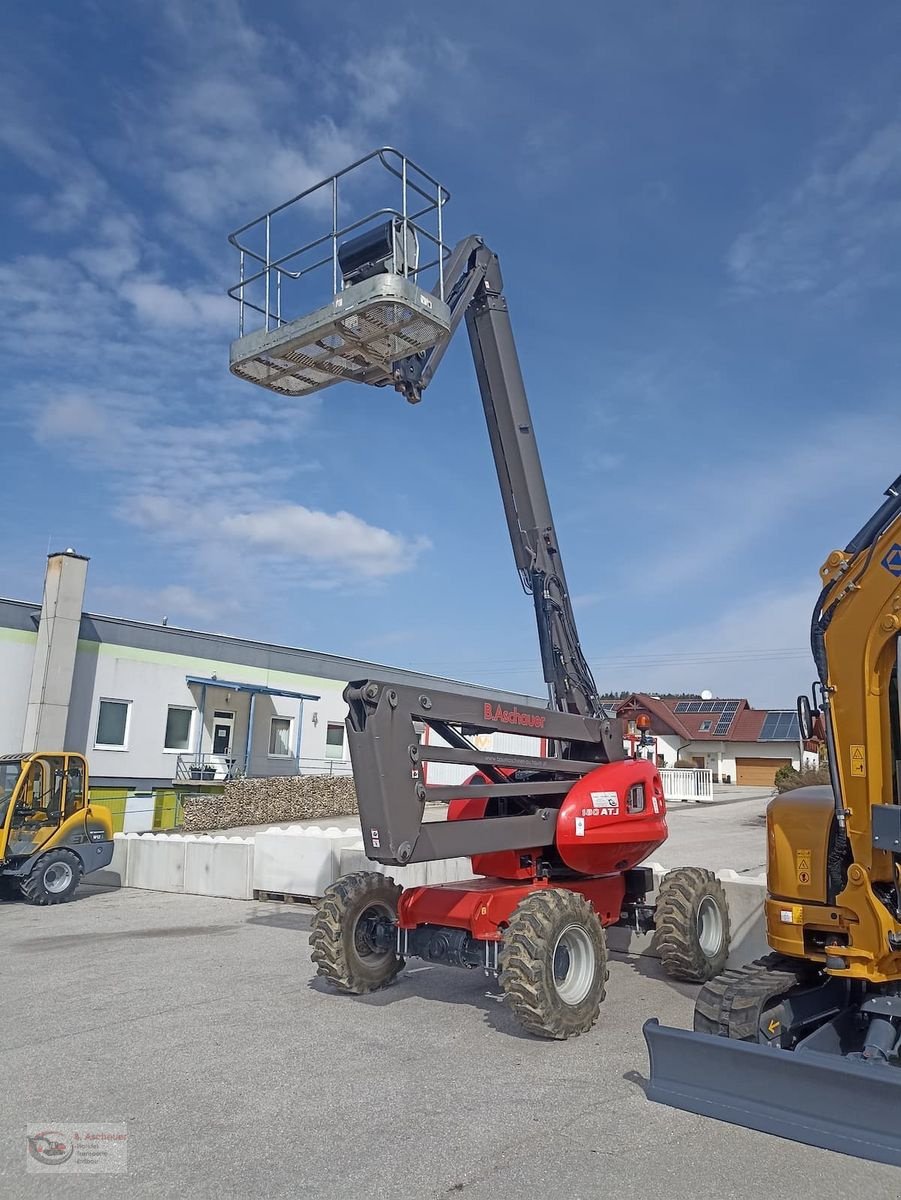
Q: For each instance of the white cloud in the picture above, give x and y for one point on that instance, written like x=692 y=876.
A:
x=162 y=304
x=339 y=539
x=383 y=79
x=174 y=603
x=834 y=233
x=171 y=480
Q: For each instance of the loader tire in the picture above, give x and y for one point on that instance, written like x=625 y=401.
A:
x=553 y=963
x=735 y=1003
x=341 y=937
x=53 y=878
x=692 y=925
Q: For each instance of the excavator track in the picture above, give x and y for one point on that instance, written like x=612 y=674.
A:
x=732 y=1004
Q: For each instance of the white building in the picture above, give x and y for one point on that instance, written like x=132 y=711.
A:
x=154 y=707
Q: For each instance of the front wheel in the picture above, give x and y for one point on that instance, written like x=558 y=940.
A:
x=553 y=963
x=692 y=924
x=352 y=935
x=53 y=878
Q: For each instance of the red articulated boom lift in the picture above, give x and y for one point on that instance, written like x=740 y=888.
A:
x=557 y=840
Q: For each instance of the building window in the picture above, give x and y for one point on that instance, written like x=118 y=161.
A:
x=705 y=726
x=334 y=741
x=280 y=737
x=112 y=724
x=178 y=727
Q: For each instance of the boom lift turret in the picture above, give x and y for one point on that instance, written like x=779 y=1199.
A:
x=806 y=1043
x=556 y=839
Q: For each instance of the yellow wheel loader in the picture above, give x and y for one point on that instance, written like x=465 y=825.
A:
x=50 y=835
x=805 y=1043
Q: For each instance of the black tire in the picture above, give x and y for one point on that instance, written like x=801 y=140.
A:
x=553 y=963
x=341 y=951
x=692 y=925
x=53 y=878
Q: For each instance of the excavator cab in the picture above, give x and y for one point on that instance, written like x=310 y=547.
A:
x=50 y=836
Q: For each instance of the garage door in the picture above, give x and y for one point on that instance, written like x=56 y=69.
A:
x=758 y=772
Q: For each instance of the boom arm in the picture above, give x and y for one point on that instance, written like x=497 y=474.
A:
x=476 y=293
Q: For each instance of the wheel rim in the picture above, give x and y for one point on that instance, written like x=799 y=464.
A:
x=57 y=877
x=574 y=964
x=364 y=933
x=710 y=926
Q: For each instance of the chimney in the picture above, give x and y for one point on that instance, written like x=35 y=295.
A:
x=54 y=653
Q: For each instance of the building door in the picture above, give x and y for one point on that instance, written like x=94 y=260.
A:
x=700 y=762
x=758 y=772
x=223 y=729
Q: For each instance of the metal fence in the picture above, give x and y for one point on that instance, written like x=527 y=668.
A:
x=687 y=784
x=217 y=768
x=273 y=265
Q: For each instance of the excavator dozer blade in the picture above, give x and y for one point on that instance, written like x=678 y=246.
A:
x=820 y=1099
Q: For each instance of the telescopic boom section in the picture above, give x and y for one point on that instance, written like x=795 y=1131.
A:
x=477 y=293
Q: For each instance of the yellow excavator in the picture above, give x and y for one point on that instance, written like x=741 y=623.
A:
x=805 y=1043
x=50 y=834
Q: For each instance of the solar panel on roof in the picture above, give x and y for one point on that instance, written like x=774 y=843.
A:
x=781 y=725
x=725 y=722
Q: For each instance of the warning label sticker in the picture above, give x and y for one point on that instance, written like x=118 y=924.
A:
x=605 y=802
x=580 y=826
x=802 y=866
x=858 y=760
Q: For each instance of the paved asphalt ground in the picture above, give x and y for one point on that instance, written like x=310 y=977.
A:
x=198 y=1023
x=727 y=834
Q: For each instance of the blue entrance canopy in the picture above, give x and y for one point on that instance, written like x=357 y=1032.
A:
x=261 y=689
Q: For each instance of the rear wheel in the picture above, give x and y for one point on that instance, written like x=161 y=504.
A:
x=53 y=878
x=553 y=963
x=692 y=925
x=352 y=933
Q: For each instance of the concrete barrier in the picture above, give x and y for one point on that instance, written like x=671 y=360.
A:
x=442 y=870
x=303 y=862
x=156 y=862
x=113 y=875
x=746 y=917
x=744 y=896
x=219 y=866
x=299 y=861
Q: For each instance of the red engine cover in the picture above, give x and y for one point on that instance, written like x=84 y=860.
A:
x=613 y=818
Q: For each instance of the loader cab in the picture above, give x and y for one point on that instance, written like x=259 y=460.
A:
x=38 y=792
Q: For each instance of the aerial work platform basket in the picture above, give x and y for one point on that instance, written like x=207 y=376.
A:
x=383 y=303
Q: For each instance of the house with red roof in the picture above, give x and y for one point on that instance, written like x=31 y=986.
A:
x=738 y=743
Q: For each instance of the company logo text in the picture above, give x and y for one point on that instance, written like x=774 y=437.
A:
x=512 y=716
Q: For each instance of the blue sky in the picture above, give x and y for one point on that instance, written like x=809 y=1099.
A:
x=697 y=209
